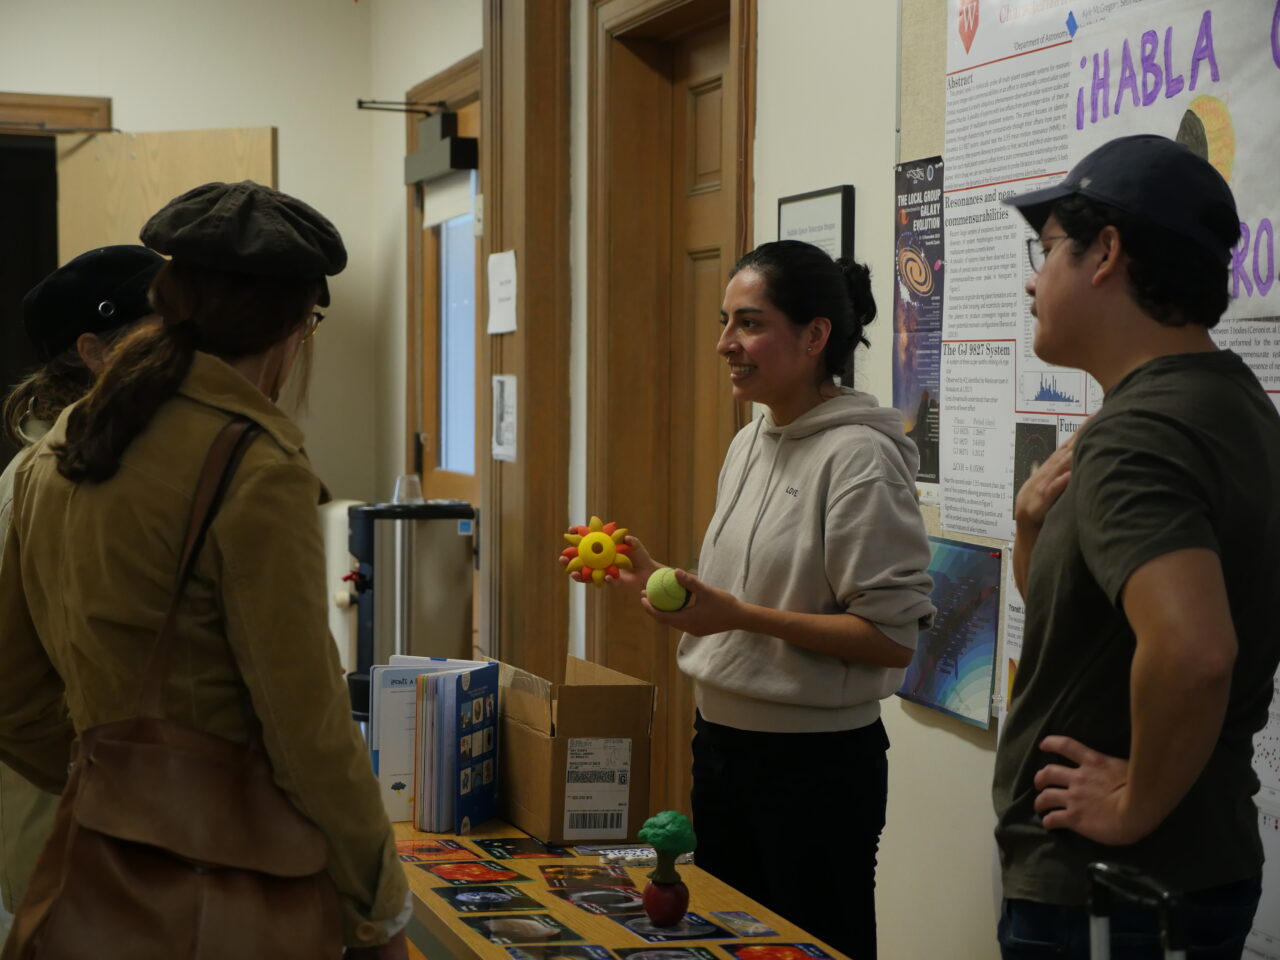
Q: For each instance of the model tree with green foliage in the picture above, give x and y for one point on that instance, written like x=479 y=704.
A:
x=666 y=898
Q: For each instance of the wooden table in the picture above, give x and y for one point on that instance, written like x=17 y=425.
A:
x=440 y=933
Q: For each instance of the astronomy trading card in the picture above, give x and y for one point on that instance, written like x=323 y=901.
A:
x=692 y=927
x=424 y=851
x=776 y=951
x=476 y=871
x=577 y=951
x=528 y=928
x=520 y=848
x=666 y=953
x=743 y=924
x=584 y=875
x=603 y=899
x=487 y=899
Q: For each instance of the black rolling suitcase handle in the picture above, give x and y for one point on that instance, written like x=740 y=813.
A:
x=1111 y=885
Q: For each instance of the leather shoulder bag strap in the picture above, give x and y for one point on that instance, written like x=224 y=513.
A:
x=220 y=465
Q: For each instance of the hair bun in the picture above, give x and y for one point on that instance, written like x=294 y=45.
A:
x=857 y=277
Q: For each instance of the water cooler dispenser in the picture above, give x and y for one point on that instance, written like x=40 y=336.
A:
x=412 y=582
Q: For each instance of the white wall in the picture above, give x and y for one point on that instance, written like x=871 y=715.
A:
x=826 y=115
x=297 y=65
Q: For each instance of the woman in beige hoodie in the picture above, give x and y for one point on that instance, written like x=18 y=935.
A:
x=811 y=590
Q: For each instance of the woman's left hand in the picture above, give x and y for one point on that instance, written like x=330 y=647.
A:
x=709 y=610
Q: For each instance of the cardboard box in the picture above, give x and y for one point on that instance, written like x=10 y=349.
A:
x=574 y=756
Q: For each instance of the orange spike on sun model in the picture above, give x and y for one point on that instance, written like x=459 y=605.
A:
x=597 y=552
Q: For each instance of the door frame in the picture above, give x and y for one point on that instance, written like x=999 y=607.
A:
x=629 y=289
x=456 y=86
x=524 y=176
x=42 y=115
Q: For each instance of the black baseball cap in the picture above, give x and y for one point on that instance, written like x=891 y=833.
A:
x=248 y=228
x=98 y=291
x=1150 y=177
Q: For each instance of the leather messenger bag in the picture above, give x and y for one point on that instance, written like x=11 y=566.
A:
x=171 y=843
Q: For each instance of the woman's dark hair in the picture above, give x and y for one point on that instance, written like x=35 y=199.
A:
x=804 y=282
x=46 y=391
x=1172 y=279
x=230 y=315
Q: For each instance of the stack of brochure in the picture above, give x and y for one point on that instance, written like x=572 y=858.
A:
x=433 y=740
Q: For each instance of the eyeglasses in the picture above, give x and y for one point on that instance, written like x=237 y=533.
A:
x=1037 y=254
x=313 y=324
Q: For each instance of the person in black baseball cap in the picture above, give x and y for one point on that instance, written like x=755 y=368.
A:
x=1144 y=555
x=72 y=316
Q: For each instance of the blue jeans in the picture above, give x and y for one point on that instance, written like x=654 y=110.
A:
x=1218 y=921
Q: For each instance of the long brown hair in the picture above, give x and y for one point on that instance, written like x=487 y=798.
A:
x=227 y=314
x=45 y=392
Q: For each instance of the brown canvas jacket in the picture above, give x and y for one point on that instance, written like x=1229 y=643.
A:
x=89 y=570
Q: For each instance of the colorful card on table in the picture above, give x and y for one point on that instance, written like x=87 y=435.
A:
x=526 y=928
x=489 y=899
x=603 y=899
x=580 y=875
x=472 y=872
x=666 y=953
x=425 y=851
x=692 y=927
x=776 y=951
x=520 y=848
x=577 y=951
x=743 y=924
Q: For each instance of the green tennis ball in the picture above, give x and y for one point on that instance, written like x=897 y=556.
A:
x=664 y=590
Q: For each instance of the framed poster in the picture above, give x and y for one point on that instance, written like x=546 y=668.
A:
x=954 y=666
x=821 y=217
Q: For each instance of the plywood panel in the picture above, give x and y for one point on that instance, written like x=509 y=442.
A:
x=109 y=184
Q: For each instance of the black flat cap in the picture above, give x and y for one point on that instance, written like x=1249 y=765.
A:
x=1151 y=177
x=96 y=292
x=248 y=228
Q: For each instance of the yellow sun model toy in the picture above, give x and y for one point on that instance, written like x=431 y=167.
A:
x=597 y=552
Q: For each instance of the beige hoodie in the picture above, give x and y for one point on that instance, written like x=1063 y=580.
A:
x=819 y=516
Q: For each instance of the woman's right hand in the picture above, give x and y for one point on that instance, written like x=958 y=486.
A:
x=397 y=948
x=642 y=566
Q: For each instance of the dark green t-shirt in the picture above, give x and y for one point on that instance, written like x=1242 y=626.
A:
x=1185 y=452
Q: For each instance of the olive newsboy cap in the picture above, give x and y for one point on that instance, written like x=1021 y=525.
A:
x=248 y=228
x=96 y=292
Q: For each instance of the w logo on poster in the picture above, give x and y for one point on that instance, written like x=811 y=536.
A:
x=968 y=17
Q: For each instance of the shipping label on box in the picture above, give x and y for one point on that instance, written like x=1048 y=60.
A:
x=597 y=788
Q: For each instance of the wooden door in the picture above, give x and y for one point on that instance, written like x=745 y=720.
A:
x=669 y=212
x=704 y=416
x=109 y=184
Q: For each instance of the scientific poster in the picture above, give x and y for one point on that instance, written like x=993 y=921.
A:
x=954 y=666
x=1264 y=940
x=1208 y=75
x=1015 y=615
x=1031 y=87
x=919 y=263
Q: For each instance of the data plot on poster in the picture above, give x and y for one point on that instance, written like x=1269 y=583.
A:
x=1051 y=391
